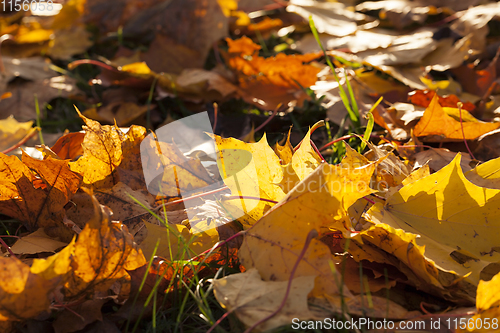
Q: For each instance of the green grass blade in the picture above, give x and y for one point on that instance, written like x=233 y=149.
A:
x=352 y=114
x=38 y=123
x=354 y=105
x=143 y=281
x=369 y=126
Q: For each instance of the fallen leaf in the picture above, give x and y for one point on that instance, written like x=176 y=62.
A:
x=390 y=171
x=70 y=13
x=424 y=98
x=103 y=253
x=359 y=41
x=284 y=152
x=26 y=291
x=486 y=174
x=207 y=81
x=437 y=158
x=70 y=42
x=169 y=172
x=12 y=131
x=319 y=202
x=270 y=81
x=177 y=242
x=400 y=13
x=121 y=199
x=265 y=25
x=329 y=17
x=33 y=77
x=38 y=203
x=305 y=159
x=436 y=122
x=69 y=146
x=88 y=312
x=178 y=46
x=102 y=153
x=405 y=49
x=442 y=229
x=130 y=169
x=110 y=156
x=121 y=113
x=253 y=299
x=487 y=303
x=23 y=294
x=252 y=172
x=36 y=242
x=474 y=21
x=383 y=244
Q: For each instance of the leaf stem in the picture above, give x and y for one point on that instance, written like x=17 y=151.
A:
x=194 y=196
x=317 y=151
x=251 y=198
x=319 y=124
x=7 y=247
x=345 y=137
x=216 y=113
x=459 y=104
x=28 y=136
x=2 y=39
x=77 y=63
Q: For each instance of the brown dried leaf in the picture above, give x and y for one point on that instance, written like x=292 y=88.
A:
x=35 y=191
x=103 y=253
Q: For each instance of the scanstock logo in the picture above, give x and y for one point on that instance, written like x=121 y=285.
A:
x=184 y=152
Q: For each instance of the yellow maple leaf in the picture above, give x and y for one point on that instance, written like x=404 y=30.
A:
x=319 y=202
x=252 y=172
x=486 y=174
x=488 y=307
x=456 y=221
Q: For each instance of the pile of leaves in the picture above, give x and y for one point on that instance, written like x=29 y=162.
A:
x=397 y=221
